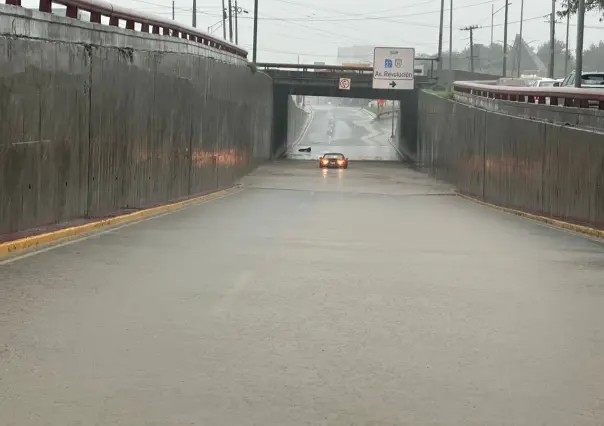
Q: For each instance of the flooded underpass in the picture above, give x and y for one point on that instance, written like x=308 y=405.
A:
x=349 y=127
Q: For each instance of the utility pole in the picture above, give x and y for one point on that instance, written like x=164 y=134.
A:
x=451 y=37
x=520 y=42
x=552 y=40
x=567 y=53
x=172 y=9
x=194 y=13
x=255 y=45
x=236 y=23
x=505 y=39
x=471 y=29
x=223 y=21
x=579 y=53
x=440 y=35
x=230 y=21
x=492 y=21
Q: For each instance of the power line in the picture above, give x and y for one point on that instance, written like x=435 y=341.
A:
x=354 y=14
x=379 y=18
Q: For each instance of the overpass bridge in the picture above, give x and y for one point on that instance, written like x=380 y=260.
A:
x=156 y=268
x=323 y=80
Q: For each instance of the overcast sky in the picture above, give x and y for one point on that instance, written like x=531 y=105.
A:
x=313 y=29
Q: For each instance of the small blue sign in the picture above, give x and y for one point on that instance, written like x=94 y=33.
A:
x=387 y=63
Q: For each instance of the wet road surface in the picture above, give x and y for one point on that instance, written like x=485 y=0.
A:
x=355 y=133
x=367 y=296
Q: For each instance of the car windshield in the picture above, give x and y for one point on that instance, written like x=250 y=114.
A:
x=334 y=156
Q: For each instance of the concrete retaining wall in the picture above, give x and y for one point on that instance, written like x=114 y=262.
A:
x=89 y=129
x=296 y=122
x=579 y=117
x=514 y=162
x=406 y=126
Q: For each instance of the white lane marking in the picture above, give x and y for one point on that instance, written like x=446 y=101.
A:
x=113 y=229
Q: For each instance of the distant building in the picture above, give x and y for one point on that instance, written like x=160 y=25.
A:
x=361 y=55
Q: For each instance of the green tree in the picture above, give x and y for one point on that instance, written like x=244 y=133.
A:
x=543 y=52
x=570 y=6
x=593 y=58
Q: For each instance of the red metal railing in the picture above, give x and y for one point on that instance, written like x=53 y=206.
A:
x=560 y=96
x=148 y=22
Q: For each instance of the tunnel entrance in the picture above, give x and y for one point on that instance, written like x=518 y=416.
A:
x=356 y=109
x=306 y=127
x=291 y=81
x=361 y=129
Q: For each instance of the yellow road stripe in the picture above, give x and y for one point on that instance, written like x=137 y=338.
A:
x=593 y=232
x=10 y=247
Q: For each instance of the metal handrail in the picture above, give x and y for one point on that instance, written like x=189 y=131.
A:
x=267 y=65
x=274 y=65
x=148 y=21
x=573 y=97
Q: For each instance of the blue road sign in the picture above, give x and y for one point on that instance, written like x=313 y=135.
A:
x=387 y=63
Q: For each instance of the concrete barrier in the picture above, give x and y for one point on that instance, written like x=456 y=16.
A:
x=589 y=118
x=100 y=122
x=533 y=166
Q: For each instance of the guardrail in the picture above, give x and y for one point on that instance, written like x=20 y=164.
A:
x=306 y=67
x=326 y=68
x=146 y=21
x=560 y=96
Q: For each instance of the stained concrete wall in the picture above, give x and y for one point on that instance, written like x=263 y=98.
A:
x=297 y=119
x=406 y=126
x=529 y=165
x=96 y=120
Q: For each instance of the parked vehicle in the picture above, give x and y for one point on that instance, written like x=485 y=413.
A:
x=543 y=82
x=591 y=80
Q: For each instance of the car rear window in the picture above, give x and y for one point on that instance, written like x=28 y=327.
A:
x=592 y=79
x=333 y=156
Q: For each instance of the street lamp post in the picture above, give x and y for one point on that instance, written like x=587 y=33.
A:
x=493 y=13
x=215 y=26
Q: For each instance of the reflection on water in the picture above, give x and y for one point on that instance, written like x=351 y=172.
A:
x=351 y=131
x=354 y=153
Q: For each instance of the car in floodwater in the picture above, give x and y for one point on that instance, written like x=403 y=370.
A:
x=333 y=160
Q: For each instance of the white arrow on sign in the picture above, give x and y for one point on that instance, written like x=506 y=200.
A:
x=344 y=84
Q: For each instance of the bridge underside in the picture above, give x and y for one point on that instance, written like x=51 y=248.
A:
x=308 y=83
x=315 y=83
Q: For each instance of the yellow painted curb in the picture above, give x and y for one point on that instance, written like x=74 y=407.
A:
x=593 y=232
x=10 y=247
